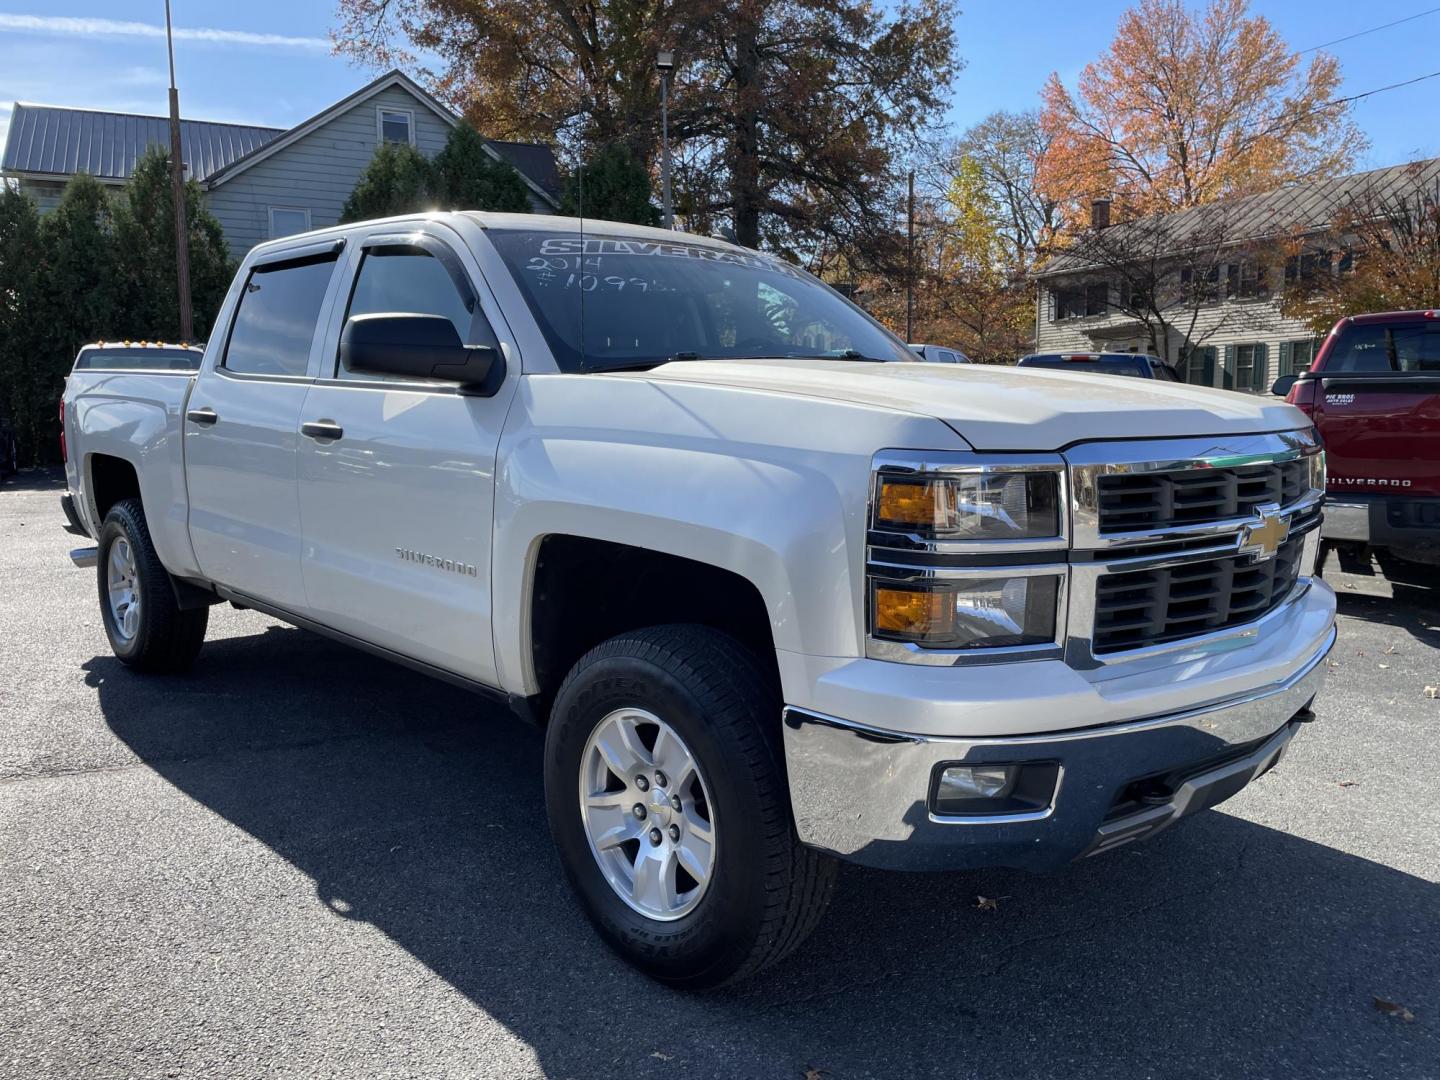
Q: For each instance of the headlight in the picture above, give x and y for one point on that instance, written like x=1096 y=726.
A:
x=976 y=505
x=967 y=613
x=966 y=555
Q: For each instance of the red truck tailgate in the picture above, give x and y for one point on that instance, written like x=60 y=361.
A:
x=1381 y=431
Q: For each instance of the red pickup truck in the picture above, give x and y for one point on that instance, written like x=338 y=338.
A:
x=1374 y=395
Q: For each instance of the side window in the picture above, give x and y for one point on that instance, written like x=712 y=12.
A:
x=1417 y=348
x=410 y=281
x=277 y=316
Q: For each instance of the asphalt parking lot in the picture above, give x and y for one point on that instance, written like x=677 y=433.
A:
x=299 y=861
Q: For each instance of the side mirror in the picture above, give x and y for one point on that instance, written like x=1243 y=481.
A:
x=1282 y=385
x=420 y=347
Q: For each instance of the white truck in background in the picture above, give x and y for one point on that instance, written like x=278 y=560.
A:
x=778 y=592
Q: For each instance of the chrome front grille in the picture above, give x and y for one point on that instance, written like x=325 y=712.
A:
x=1132 y=501
x=1179 y=540
x=1170 y=603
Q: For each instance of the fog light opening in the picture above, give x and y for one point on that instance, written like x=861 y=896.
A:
x=990 y=788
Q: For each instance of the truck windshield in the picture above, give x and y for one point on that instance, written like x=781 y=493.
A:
x=608 y=302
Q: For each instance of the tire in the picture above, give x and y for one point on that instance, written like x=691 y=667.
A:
x=765 y=891
x=150 y=632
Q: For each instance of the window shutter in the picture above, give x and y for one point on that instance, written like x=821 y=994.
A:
x=1209 y=353
x=1262 y=359
x=1229 y=368
x=1284 y=367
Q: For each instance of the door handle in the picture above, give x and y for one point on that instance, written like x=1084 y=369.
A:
x=205 y=416
x=321 y=429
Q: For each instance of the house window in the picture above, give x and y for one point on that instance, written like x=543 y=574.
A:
x=1134 y=296
x=1246 y=281
x=288 y=220
x=1200 y=366
x=1202 y=282
x=1079 y=302
x=1244 y=367
x=1069 y=303
x=396 y=126
x=1306 y=266
x=1297 y=356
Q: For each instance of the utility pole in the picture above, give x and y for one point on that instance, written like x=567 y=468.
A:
x=665 y=63
x=177 y=177
x=910 y=262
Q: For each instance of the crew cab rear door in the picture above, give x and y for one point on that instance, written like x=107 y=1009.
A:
x=242 y=424
x=397 y=486
x=1378 y=408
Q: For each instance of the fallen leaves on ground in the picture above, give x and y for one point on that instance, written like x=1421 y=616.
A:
x=812 y=1073
x=1349 y=783
x=1432 y=691
x=988 y=903
x=1392 y=1008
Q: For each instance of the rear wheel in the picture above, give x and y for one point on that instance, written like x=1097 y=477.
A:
x=668 y=802
x=145 y=624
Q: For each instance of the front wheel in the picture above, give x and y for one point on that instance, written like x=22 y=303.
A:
x=146 y=626
x=668 y=802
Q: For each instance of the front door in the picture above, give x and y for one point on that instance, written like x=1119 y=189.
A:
x=242 y=429
x=397 y=485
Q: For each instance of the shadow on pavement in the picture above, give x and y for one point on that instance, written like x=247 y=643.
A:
x=1222 y=948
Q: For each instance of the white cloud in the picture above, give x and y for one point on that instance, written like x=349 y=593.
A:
x=57 y=24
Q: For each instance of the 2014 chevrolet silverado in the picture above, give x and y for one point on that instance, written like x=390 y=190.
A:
x=777 y=591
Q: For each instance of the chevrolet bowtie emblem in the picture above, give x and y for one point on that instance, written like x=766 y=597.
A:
x=1263 y=538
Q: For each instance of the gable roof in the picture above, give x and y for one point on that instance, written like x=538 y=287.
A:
x=534 y=162
x=48 y=140
x=1307 y=206
x=52 y=141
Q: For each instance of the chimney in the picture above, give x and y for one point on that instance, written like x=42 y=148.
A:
x=1100 y=214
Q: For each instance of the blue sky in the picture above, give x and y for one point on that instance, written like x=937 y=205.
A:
x=269 y=61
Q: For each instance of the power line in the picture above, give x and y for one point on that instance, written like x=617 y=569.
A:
x=1344 y=100
x=1373 y=29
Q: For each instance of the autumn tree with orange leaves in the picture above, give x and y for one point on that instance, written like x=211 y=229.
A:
x=1186 y=107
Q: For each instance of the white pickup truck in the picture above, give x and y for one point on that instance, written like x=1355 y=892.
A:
x=777 y=591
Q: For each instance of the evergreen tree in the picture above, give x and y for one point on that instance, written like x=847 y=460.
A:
x=468 y=177
x=20 y=338
x=398 y=180
x=145 y=235
x=616 y=188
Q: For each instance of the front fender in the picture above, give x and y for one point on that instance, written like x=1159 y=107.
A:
x=771 y=487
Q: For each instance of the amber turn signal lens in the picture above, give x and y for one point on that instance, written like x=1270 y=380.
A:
x=907 y=502
x=912 y=612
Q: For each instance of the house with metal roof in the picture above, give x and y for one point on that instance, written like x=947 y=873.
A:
x=1229 y=260
x=260 y=182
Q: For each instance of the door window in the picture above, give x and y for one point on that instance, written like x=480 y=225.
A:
x=276 y=319
x=402 y=280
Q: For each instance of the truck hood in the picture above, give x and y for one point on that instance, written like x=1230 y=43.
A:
x=1004 y=408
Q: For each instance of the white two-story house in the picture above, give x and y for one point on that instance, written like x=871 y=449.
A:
x=1213 y=276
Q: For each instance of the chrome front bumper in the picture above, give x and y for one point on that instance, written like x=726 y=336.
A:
x=862 y=793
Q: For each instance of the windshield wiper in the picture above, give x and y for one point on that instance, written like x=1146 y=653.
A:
x=843 y=354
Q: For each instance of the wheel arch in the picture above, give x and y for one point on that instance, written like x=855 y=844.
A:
x=582 y=590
